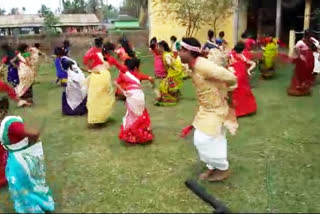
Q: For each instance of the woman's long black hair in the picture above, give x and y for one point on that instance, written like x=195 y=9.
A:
x=125 y=44
x=165 y=46
x=153 y=43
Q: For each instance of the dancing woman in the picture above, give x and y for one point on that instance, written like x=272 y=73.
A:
x=242 y=97
x=101 y=97
x=136 y=126
x=25 y=171
x=74 y=97
x=303 y=78
x=26 y=75
x=170 y=86
x=159 y=70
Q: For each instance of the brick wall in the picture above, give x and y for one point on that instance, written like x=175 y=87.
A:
x=80 y=43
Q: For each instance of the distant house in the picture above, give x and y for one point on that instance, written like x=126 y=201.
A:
x=126 y=22
x=33 y=24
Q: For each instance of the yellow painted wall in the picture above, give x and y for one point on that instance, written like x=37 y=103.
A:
x=163 y=29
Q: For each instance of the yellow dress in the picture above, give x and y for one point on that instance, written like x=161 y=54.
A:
x=101 y=96
x=170 y=86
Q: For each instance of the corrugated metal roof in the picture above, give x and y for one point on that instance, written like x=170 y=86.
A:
x=14 y=21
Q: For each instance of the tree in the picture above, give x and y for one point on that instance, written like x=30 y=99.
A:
x=218 y=10
x=139 y=9
x=193 y=14
x=74 y=6
x=14 y=11
x=50 y=20
x=110 y=12
x=2 y=11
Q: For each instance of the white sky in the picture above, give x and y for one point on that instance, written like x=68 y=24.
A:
x=33 y=6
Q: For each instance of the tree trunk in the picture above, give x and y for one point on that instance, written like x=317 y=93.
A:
x=143 y=17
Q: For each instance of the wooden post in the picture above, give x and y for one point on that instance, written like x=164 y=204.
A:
x=278 y=19
x=307 y=14
x=292 y=43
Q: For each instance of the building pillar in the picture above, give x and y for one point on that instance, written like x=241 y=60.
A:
x=150 y=4
x=292 y=43
x=236 y=22
x=307 y=14
x=278 y=19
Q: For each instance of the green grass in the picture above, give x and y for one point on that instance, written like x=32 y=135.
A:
x=274 y=157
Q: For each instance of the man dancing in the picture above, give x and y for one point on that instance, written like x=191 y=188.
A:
x=214 y=116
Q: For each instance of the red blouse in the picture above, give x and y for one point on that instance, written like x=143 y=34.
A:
x=128 y=83
x=113 y=62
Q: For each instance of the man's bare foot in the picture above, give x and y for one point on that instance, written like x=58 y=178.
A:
x=219 y=175
x=206 y=174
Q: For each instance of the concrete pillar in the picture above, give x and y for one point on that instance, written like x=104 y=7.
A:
x=150 y=18
x=292 y=43
x=278 y=19
x=236 y=22
x=307 y=14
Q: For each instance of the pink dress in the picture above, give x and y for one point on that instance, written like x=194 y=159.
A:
x=159 y=70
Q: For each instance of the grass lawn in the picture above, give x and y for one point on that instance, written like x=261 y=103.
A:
x=274 y=157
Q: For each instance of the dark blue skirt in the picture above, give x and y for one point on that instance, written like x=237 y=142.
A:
x=80 y=110
x=13 y=77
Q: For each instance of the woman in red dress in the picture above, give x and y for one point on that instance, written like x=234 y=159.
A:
x=136 y=126
x=303 y=80
x=242 y=97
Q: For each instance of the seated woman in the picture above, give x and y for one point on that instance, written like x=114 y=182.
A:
x=101 y=96
x=242 y=97
x=25 y=170
x=170 y=86
x=136 y=126
x=74 y=97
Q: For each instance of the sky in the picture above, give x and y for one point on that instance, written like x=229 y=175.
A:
x=33 y=6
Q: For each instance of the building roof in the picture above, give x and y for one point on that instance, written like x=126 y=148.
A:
x=17 y=21
x=78 y=20
x=125 y=18
x=11 y=21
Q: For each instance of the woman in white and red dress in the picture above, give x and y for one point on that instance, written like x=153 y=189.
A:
x=136 y=127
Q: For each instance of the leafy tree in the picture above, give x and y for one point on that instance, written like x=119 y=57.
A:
x=139 y=9
x=110 y=12
x=50 y=20
x=2 y=11
x=193 y=14
x=14 y=11
x=74 y=6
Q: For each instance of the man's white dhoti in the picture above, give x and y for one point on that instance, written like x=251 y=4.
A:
x=212 y=150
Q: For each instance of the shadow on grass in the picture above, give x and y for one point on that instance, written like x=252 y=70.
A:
x=110 y=122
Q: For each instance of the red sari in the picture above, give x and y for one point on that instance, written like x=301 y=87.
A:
x=136 y=126
x=302 y=80
x=242 y=97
